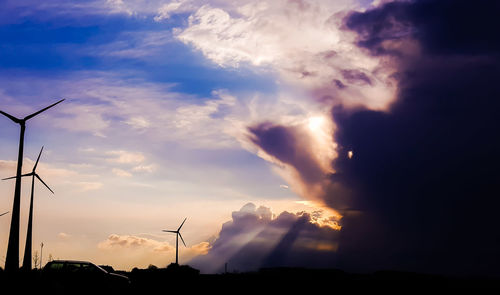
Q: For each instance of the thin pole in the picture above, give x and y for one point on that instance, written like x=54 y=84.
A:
x=12 y=259
x=41 y=252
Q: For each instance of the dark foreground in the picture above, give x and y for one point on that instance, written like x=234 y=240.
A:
x=265 y=281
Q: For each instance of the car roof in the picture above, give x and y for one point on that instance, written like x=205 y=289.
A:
x=70 y=261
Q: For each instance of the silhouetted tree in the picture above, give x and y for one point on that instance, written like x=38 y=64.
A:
x=35 y=258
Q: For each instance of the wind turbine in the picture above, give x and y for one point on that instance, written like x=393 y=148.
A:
x=178 y=234
x=12 y=259
x=4 y=213
x=29 y=233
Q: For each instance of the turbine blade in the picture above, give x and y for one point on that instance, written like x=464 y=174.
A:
x=44 y=183
x=182 y=239
x=182 y=224
x=16 y=120
x=37 y=159
x=23 y=175
x=42 y=110
x=170 y=231
x=4 y=213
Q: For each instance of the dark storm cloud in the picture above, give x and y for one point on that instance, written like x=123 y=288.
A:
x=289 y=145
x=253 y=240
x=442 y=27
x=356 y=77
x=424 y=178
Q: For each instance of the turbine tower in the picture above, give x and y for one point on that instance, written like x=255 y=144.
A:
x=29 y=233
x=178 y=234
x=12 y=259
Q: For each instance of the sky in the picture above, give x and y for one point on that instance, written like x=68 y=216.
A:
x=360 y=135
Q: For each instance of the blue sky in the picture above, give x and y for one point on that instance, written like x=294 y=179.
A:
x=159 y=99
x=54 y=48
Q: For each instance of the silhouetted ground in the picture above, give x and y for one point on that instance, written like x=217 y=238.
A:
x=185 y=279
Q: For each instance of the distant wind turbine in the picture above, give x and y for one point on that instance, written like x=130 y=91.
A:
x=29 y=233
x=12 y=259
x=4 y=213
x=178 y=234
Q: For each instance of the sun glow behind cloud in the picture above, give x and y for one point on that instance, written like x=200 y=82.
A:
x=322 y=215
x=323 y=145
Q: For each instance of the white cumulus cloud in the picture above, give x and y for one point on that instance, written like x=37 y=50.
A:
x=126 y=157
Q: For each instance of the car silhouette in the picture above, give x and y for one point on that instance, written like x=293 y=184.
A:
x=64 y=275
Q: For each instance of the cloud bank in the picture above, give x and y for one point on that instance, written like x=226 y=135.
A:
x=256 y=238
x=423 y=181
